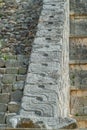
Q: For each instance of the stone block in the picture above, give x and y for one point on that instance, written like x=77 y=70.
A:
x=7 y=88
x=78 y=27
x=18 y=85
x=8 y=78
x=3 y=107
x=20 y=77
x=4 y=97
x=78 y=48
x=13 y=107
x=13 y=63
x=8 y=116
x=2 y=63
x=2 y=118
x=22 y=71
x=78 y=78
x=78 y=105
x=2 y=70
x=12 y=70
x=78 y=7
x=16 y=95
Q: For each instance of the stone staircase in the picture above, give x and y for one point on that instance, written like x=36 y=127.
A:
x=13 y=70
x=78 y=61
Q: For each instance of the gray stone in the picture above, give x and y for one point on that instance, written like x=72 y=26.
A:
x=2 y=70
x=8 y=78
x=22 y=71
x=13 y=107
x=3 y=107
x=12 y=63
x=8 y=116
x=2 y=118
x=18 y=85
x=4 y=97
x=20 y=77
x=2 y=63
x=16 y=95
x=78 y=7
x=6 y=88
x=78 y=27
x=12 y=70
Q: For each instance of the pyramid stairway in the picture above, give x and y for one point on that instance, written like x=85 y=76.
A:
x=78 y=61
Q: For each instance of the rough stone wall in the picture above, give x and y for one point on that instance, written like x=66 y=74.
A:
x=18 y=21
x=46 y=92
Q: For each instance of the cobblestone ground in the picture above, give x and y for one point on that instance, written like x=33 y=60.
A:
x=18 y=21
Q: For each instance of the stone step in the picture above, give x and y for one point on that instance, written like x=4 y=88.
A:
x=78 y=77
x=81 y=121
x=78 y=102
x=78 y=50
x=78 y=27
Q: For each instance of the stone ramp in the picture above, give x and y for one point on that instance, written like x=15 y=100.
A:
x=46 y=94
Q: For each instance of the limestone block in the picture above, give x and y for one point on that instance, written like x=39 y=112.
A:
x=78 y=27
x=20 y=77
x=78 y=104
x=52 y=69
x=8 y=78
x=78 y=48
x=16 y=95
x=8 y=116
x=2 y=63
x=22 y=71
x=2 y=118
x=6 y=88
x=48 y=56
x=78 y=78
x=18 y=85
x=11 y=70
x=78 y=7
x=2 y=70
x=4 y=97
x=13 y=63
x=13 y=107
x=3 y=107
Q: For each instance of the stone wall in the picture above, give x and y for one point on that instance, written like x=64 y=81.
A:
x=18 y=22
x=46 y=93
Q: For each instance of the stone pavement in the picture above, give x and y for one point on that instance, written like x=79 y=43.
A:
x=45 y=100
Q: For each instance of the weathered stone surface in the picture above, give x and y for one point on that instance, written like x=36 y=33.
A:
x=11 y=70
x=2 y=63
x=13 y=107
x=78 y=27
x=18 y=85
x=78 y=7
x=6 y=88
x=78 y=105
x=44 y=97
x=78 y=78
x=3 y=107
x=8 y=78
x=4 y=97
x=78 y=48
x=2 y=118
x=16 y=95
